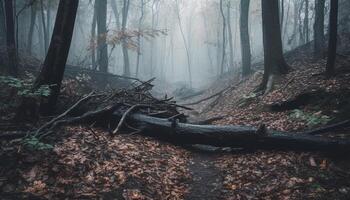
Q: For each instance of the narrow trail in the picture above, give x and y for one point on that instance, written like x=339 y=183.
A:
x=207 y=179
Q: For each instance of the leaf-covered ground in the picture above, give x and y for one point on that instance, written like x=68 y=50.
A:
x=284 y=175
x=88 y=163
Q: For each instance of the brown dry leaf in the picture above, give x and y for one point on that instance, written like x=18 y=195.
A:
x=133 y=195
x=323 y=164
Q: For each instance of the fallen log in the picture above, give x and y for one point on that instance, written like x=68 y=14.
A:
x=330 y=128
x=230 y=136
x=209 y=121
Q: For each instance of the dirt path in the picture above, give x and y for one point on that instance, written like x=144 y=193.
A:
x=207 y=179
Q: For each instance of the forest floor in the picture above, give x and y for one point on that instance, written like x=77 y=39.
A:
x=85 y=162
x=284 y=175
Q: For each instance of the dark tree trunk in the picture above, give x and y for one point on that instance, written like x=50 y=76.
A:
x=2 y=24
x=274 y=62
x=126 y=4
x=319 y=38
x=245 y=41
x=56 y=58
x=93 y=38
x=222 y=65
x=10 y=38
x=306 y=22
x=332 y=45
x=139 y=38
x=31 y=29
x=301 y=30
x=102 y=35
x=230 y=38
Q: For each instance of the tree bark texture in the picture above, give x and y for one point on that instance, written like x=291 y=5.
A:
x=54 y=65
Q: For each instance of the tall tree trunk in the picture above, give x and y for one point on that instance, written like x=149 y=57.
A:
x=229 y=28
x=185 y=43
x=306 y=22
x=46 y=38
x=31 y=29
x=2 y=24
x=189 y=36
x=218 y=47
x=332 y=44
x=102 y=50
x=274 y=63
x=139 y=38
x=93 y=38
x=301 y=27
x=126 y=5
x=172 y=55
x=295 y=24
x=319 y=38
x=10 y=38
x=222 y=65
x=245 y=41
x=152 y=41
x=53 y=68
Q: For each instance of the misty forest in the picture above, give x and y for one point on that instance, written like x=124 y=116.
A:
x=175 y=99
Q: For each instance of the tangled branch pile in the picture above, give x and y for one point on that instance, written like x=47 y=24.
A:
x=99 y=108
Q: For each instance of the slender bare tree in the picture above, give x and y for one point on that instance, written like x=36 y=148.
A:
x=126 y=5
x=222 y=65
x=142 y=15
x=177 y=8
x=11 y=38
x=319 y=38
x=102 y=50
x=245 y=40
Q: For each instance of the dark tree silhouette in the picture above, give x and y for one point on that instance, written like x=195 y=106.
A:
x=2 y=24
x=230 y=36
x=222 y=65
x=245 y=42
x=306 y=23
x=332 y=44
x=93 y=38
x=102 y=52
x=319 y=39
x=274 y=62
x=56 y=58
x=10 y=38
